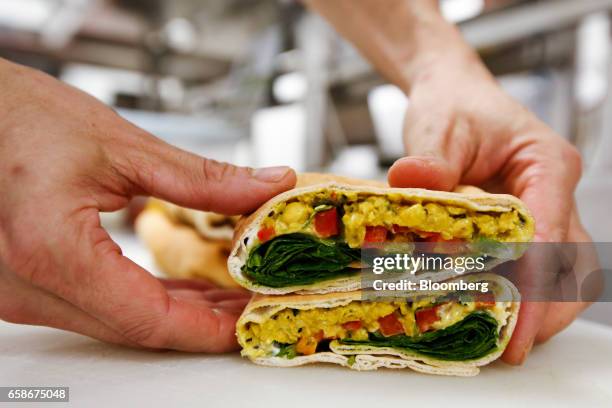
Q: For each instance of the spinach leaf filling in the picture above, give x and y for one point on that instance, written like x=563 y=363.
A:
x=299 y=259
x=471 y=338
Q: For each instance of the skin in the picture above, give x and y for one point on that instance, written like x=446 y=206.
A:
x=461 y=128
x=64 y=158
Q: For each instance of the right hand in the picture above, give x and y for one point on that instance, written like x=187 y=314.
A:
x=461 y=128
x=64 y=158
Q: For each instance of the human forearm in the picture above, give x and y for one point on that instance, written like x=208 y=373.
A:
x=401 y=38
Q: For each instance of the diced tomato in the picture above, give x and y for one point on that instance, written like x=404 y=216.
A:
x=425 y=234
x=400 y=230
x=326 y=223
x=484 y=300
x=266 y=234
x=425 y=318
x=429 y=236
x=440 y=245
x=390 y=325
x=320 y=335
x=352 y=325
x=434 y=236
x=375 y=234
x=307 y=345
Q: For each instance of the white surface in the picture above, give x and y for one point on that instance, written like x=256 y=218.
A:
x=573 y=369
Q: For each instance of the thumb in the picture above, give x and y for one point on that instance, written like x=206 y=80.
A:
x=438 y=151
x=431 y=172
x=161 y=170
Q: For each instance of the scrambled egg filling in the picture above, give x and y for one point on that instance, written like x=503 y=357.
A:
x=359 y=211
x=293 y=326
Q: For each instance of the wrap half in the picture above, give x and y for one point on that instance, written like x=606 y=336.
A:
x=209 y=225
x=435 y=333
x=187 y=243
x=309 y=239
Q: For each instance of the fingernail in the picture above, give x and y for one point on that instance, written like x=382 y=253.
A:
x=271 y=174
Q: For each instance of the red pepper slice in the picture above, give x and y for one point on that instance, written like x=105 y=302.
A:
x=375 y=234
x=425 y=318
x=390 y=325
x=400 y=230
x=307 y=345
x=320 y=335
x=352 y=325
x=326 y=223
x=484 y=300
x=266 y=234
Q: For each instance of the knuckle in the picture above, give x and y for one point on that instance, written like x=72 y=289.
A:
x=147 y=334
x=573 y=159
x=147 y=329
x=215 y=171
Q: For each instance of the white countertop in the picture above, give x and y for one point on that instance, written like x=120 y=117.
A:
x=573 y=369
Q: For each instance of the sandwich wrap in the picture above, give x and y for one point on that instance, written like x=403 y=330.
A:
x=309 y=239
x=187 y=243
x=433 y=333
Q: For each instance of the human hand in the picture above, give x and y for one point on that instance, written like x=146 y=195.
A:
x=64 y=157
x=461 y=128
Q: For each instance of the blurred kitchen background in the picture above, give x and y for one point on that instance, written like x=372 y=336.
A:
x=264 y=82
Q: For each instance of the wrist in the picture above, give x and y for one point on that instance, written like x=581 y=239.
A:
x=437 y=48
x=444 y=65
x=432 y=44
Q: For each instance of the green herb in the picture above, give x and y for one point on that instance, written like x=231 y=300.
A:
x=299 y=259
x=493 y=250
x=286 y=350
x=488 y=246
x=351 y=360
x=316 y=210
x=323 y=207
x=471 y=338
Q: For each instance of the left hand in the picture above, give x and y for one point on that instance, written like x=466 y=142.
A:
x=64 y=158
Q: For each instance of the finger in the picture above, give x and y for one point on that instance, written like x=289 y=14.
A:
x=230 y=305
x=25 y=304
x=562 y=313
x=234 y=305
x=440 y=150
x=195 y=284
x=188 y=294
x=547 y=168
x=559 y=316
x=531 y=315
x=143 y=311
x=217 y=295
x=164 y=171
x=94 y=276
x=423 y=172
x=210 y=295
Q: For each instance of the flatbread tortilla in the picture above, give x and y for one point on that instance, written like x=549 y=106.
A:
x=209 y=225
x=181 y=251
x=368 y=357
x=247 y=228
